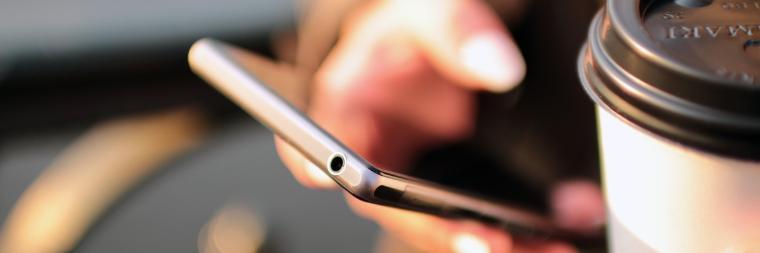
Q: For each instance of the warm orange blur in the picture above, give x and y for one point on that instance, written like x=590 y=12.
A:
x=59 y=207
x=233 y=229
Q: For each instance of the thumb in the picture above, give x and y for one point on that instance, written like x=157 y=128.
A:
x=464 y=40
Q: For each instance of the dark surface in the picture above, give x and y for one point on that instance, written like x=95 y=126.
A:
x=237 y=163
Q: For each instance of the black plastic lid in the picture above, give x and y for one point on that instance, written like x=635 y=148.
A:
x=688 y=70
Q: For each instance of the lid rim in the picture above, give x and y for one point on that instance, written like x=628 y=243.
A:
x=647 y=94
x=707 y=145
x=700 y=133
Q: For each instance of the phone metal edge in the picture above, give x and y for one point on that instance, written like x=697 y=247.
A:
x=209 y=59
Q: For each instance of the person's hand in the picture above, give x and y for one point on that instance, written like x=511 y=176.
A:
x=402 y=79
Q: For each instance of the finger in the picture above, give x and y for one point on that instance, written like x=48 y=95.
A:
x=377 y=88
x=465 y=40
x=386 y=117
x=302 y=169
x=377 y=97
x=433 y=234
x=409 y=89
x=578 y=205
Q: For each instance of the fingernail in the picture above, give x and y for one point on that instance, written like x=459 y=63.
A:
x=494 y=59
x=317 y=174
x=469 y=243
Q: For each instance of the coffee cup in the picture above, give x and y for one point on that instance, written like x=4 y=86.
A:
x=677 y=90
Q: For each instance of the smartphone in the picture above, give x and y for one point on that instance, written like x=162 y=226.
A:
x=224 y=67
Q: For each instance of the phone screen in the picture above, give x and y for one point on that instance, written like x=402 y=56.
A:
x=524 y=143
x=461 y=166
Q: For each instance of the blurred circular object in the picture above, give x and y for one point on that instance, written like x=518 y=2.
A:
x=233 y=229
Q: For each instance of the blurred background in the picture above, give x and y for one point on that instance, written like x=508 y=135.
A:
x=108 y=143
